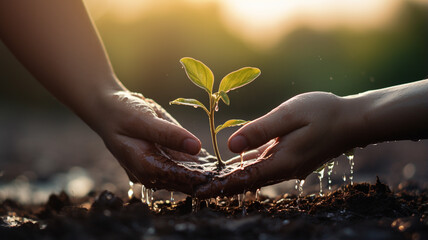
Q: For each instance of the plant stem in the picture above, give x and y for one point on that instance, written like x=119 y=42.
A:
x=213 y=101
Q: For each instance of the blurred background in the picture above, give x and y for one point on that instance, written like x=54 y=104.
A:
x=343 y=47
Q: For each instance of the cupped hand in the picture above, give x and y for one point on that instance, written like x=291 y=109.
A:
x=307 y=131
x=150 y=145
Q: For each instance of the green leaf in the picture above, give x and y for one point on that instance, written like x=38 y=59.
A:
x=230 y=123
x=224 y=97
x=198 y=73
x=189 y=102
x=238 y=78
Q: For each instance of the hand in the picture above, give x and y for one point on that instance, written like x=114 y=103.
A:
x=141 y=135
x=308 y=130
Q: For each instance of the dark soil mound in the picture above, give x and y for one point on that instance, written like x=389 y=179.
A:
x=360 y=211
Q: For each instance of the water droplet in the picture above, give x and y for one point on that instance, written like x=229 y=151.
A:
x=241 y=198
x=143 y=194
x=216 y=107
x=330 y=167
x=195 y=205
x=257 y=194
x=172 y=198
x=297 y=184
x=195 y=106
x=131 y=190
x=242 y=159
x=148 y=198
x=151 y=196
x=320 y=177
x=350 y=155
x=302 y=182
x=344 y=177
x=148 y=194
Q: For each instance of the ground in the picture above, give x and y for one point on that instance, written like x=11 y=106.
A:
x=359 y=211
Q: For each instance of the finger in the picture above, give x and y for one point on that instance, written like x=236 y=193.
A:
x=167 y=134
x=152 y=123
x=276 y=123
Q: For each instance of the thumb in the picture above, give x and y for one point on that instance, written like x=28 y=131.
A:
x=276 y=123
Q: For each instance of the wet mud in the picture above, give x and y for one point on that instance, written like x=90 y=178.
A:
x=359 y=211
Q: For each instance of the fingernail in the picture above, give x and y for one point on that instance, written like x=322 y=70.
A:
x=191 y=146
x=238 y=144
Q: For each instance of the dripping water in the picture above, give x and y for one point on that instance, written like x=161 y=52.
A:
x=257 y=194
x=131 y=190
x=172 y=198
x=301 y=187
x=350 y=156
x=330 y=167
x=320 y=177
x=195 y=205
x=143 y=194
x=241 y=198
x=150 y=196
x=147 y=197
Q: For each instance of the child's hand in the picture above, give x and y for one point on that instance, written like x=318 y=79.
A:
x=309 y=129
x=138 y=132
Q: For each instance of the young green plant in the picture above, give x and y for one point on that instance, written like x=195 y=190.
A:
x=203 y=77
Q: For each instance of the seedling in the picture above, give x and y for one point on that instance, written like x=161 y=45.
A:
x=203 y=77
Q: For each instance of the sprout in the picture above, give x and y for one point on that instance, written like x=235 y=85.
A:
x=203 y=77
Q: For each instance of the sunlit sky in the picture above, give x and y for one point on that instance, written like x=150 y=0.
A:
x=263 y=23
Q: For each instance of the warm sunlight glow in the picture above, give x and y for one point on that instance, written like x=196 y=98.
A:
x=264 y=23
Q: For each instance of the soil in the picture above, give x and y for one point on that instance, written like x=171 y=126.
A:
x=359 y=211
